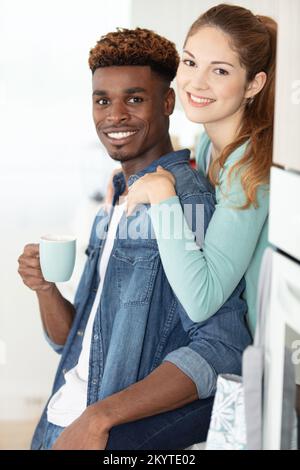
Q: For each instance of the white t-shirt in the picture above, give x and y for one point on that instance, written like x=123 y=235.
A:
x=69 y=402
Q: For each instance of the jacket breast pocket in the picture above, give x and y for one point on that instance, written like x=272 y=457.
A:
x=136 y=270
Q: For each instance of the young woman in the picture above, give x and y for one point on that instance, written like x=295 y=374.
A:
x=226 y=82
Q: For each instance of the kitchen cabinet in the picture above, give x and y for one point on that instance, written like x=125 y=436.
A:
x=283 y=322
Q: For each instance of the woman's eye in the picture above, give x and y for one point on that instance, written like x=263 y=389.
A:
x=135 y=99
x=189 y=62
x=221 y=72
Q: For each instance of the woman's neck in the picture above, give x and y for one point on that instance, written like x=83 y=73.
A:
x=222 y=133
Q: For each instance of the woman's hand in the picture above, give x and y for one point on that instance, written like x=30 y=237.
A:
x=151 y=188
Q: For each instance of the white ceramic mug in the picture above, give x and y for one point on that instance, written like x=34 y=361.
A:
x=57 y=257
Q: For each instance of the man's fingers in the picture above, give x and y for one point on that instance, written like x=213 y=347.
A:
x=30 y=269
x=30 y=256
x=32 y=249
x=26 y=262
x=30 y=272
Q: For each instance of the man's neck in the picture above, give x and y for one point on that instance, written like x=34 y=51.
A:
x=131 y=167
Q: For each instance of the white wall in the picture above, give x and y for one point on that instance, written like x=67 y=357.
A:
x=51 y=162
x=174 y=17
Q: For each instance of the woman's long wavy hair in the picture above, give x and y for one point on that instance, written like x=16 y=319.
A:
x=254 y=39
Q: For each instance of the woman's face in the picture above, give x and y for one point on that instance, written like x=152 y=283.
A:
x=210 y=79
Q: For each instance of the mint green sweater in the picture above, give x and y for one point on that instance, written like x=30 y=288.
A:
x=234 y=244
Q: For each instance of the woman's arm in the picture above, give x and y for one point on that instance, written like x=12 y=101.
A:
x=204 y=279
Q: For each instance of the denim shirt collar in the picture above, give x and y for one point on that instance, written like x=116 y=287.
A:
x=166 y=161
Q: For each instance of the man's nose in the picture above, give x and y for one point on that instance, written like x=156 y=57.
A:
x=117 y=114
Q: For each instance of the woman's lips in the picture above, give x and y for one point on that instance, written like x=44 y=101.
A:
x=198 y=101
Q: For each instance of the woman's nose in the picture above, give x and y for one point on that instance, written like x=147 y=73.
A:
x=199 y=81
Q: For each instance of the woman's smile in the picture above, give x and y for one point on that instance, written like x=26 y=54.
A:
x=199 y=101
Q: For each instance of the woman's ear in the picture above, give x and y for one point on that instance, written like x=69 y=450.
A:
x=256 y=85
x=169 y=102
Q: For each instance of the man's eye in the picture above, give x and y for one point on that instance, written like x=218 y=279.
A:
x=102 y=101
x=135 y=99
x=189 y=63
x=221 y=72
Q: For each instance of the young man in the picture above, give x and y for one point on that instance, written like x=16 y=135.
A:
x=136 y=372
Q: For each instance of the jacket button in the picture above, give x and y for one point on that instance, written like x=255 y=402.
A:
x=80 y=332
x=96 y=337
x=94 y=381
x=65 y=371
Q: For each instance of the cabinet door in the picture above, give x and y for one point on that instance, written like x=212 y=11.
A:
x=287 y=108
x=284 y=221
x=283 y=312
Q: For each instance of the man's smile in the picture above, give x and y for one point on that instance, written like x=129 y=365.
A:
x=119 y=136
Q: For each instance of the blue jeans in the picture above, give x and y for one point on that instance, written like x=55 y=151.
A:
x=173 y=430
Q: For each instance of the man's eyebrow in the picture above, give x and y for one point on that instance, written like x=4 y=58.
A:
x=214 y=62
x=127 y=91
x=135 y=89
x=99 y=93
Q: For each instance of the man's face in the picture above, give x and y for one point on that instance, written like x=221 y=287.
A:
x=131 y=105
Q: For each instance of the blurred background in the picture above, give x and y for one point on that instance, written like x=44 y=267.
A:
x=53 y=168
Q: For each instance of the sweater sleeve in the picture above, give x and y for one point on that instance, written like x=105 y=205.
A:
x=203 y=279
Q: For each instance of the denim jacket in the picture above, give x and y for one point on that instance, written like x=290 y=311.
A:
x=139 y=322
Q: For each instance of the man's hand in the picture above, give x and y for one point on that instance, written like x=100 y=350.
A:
x=30 y=269
x=86 y=433
x=57 y=313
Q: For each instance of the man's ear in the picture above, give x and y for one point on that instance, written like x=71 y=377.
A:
x=169 y=102
x=256 y=85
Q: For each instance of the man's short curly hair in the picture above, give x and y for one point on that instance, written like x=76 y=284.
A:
x=136 y=47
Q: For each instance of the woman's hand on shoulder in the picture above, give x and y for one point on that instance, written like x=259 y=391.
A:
x=151 y=188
